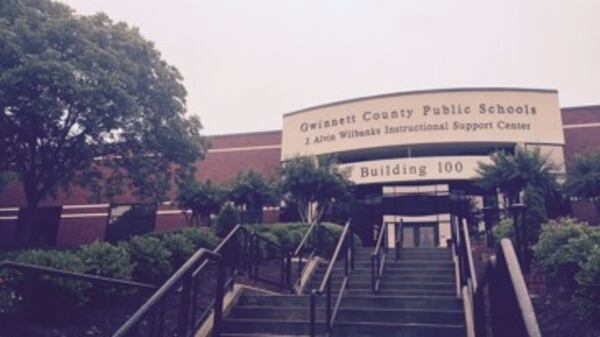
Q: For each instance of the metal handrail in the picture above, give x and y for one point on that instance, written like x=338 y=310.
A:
x=183 y=274
x=378 y=258
x=186 y=279
x=346 y=245
x=398 y=236
x=286 y=261
x=299 y=253
x=305 y=239
x=472 y=275
x=510 y=301
x=77 y=276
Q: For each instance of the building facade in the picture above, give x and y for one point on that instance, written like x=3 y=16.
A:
x=408 y=153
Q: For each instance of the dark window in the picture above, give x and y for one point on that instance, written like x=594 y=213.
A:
x=37 y=227
x=125 y=221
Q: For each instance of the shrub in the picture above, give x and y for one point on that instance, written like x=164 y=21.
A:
x=201 y=237
x=587 y=295
x=227 y=219
x=104 y=259
x=288 y=235
x=151 y=259
x=563 y=248
x=8 y=297
x=504 y=230
x=268 y=251
x=180 y=246
x=63 y=296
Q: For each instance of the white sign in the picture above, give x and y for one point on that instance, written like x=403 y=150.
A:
x=451 y=116
x=415 y=169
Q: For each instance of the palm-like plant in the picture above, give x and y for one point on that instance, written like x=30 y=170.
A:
x=512 y=173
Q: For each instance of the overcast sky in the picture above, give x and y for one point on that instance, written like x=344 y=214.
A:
x=247 y=62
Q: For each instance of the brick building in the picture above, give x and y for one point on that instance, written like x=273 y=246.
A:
x=369 y=149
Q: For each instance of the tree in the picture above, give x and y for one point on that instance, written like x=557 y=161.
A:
x=86 y=101
x=251 y=191
x=512 y=173
x=313 y=184
x=583 y=179
x=203 y=199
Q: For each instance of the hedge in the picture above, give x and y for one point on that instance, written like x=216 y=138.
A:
x=149 y=258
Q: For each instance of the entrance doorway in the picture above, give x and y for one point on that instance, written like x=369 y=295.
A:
x=422 y=235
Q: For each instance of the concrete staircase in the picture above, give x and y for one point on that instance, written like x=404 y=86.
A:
x=417 y=298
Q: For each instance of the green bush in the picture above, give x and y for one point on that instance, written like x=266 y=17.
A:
x=151 y=259
x=226 y=220
x=9 y=298
x=180 y=246
x=104 y=259
x=44 y=291
x=504 y=230
x=289 y=235
x=587 y=295
x=562 y=249
x=201 y=237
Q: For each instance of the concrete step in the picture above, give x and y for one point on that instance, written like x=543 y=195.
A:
x=270 y=327
x=356 y=301
x=450 y=278
x=349 y=314
x=417 y=285
x=415 y=264
x=344 y=328
x=259 y=335
x=392 y=268
x=403 y=292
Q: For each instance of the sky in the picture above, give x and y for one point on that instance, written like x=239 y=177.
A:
x=245 y=63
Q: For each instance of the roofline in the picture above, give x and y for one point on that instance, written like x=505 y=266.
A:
x=581 y=107
x=420 y=92
x=244 y=133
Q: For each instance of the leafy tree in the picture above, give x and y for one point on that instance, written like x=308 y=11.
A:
x=5 y=178
x=227 y=219
x=512 y=173
x=583 y=179
x=313 y=184
x=202 y=198
x=90 y=102
x=250 y=191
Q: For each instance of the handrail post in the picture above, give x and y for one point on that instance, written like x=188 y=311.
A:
x=184 y=309
x=218 y=313
x=313 y=313
x=328 y=304
x=351 y=249
x=373 y=272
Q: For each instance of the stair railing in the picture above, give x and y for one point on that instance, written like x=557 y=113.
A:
x=262 y=249
x=505 y=285
x=149 y=319
x=31 y=273
x=470 y=287
x=509 y=298
x=181 y=299
x=378 y=258
x=306 y=251
x=344 y=249
x=35 y=271
x=398 y=233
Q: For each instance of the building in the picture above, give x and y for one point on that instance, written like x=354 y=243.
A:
x=408 y=154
